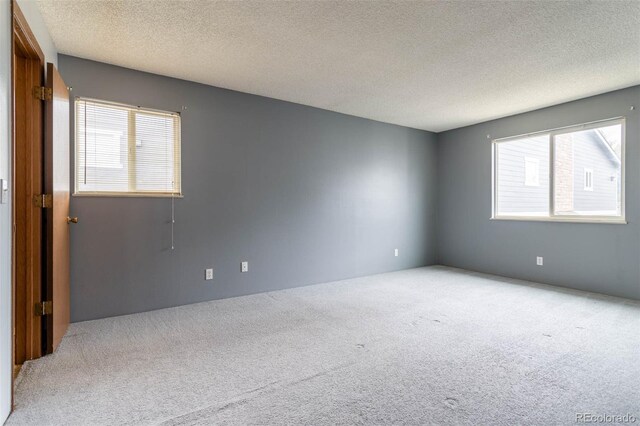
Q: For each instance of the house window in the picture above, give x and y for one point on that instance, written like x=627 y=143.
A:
x=588 y=179
x=125 y=150
x=531 y=171
x=569 y=174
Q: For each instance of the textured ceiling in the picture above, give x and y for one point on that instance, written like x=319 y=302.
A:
x=429 y=65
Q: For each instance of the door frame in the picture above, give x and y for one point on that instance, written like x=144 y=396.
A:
x=24 y=45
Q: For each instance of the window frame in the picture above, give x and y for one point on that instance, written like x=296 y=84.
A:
x=130 y=140
x=552 y=217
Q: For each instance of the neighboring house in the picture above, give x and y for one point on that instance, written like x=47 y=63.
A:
x=587 y=175
x=596 y=174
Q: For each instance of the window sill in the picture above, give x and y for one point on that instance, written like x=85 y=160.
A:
x=592 y=220
x=125 y=195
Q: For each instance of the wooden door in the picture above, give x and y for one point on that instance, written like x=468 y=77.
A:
x=28 y=127
x=56 y=183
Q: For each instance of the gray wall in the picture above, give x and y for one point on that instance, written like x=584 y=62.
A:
x=595 y=257
x=305 y=195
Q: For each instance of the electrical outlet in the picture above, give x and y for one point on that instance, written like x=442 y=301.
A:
x=244 y=266
x=208 y=274
x=539 y=261
x=396 y=252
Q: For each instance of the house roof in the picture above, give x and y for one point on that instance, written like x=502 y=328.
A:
x=606 y=146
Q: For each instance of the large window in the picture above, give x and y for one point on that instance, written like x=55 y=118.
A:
x=126 y=150
x=570 y=174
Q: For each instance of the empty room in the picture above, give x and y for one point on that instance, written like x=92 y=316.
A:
x=319 y=212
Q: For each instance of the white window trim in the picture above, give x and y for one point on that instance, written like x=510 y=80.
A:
x=552 y=217
x=126 y=194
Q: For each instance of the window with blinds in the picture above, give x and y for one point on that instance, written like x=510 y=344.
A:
x=126 y=150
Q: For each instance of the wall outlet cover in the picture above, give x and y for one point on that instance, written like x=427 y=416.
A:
x=395 y=252
x=539 y=260
x=244 y=266
x=208 y=274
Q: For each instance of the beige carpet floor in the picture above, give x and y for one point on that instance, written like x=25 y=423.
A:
x=424 y=346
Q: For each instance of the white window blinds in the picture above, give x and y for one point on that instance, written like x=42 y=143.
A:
x=126 y=150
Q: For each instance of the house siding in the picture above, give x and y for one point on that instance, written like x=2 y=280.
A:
x=589 y=153
x=514 y=196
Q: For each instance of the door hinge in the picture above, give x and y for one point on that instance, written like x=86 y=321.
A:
x=43 y=93
x=44 y=308
x=44 y=201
